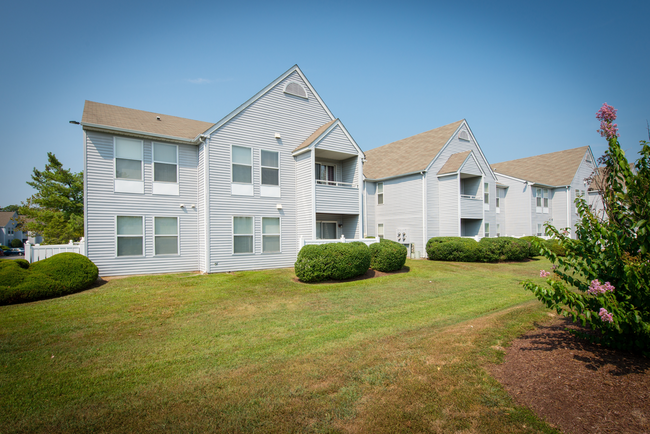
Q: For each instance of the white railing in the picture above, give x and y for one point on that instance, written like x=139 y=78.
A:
x=469 y=196
x=336 y=183
x=37 y=252
x=368 y=241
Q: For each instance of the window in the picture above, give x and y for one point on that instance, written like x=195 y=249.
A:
x=325 y=172
x=165 y=235
x=487 y=230
x=165 y=168
x=270 y=168
x=545 y=201
x=498 y=201
x=539 y=230
x=129 y=236
x=296 y=89
x=538 y=199
x=270 y=234
x=242 y=171
x=498 y=230
x=128 y=159
x=380 y=193
x=325 y=230
x=463 y=136
x=486 y=196
x=242 y=234
x=380 y=230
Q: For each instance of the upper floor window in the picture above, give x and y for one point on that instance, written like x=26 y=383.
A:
x=165 y=163
x=242 y=170
x=463 y=135
x=498 y=202
x=296 y=89
x=129 y=232
x=380 y=193
x=270 y=168
x=128 y=159
x=165 y=235
x=486 y=196
x=325 y=174
x=541 y=199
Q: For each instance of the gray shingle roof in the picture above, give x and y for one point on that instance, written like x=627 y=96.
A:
x=408 y=155
x=5 y=217
x=554 y=169
x=454 y=162
x=314 y=135
x=138 y=121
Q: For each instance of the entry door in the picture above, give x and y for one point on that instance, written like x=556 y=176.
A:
x=326 y=230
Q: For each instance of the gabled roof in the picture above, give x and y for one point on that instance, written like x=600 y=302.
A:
x=5 y=217
x=111 y=117
x=315 y=135
x=454 y=163
x=409 y=155
x=555 y=169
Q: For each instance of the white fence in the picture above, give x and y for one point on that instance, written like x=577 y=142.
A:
x=36 y=252
x=367 y=241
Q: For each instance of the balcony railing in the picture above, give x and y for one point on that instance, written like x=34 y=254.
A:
x=336 y=183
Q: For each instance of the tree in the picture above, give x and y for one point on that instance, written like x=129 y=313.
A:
x=603 y=282
x=10 y=208
x=56 y=210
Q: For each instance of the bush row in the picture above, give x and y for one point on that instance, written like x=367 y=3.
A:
x=487 y=250
x=339 y=261
x=61 y=274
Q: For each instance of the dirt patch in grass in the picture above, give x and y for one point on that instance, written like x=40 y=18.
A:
x=577 y=386
x=370 y=274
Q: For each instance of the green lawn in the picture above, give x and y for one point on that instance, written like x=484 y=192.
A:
x=258 y=352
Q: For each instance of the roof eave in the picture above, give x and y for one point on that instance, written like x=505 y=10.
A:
x=100 y=127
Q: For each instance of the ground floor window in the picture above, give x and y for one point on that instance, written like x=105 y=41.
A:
x=130 y=234
x=380 y=230
x=242 y=234
x=326 y=230
x=487 y=230
x=270 y=234
x=165 y=235
x=539 y=230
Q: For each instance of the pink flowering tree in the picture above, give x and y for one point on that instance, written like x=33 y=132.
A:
x=603 y=282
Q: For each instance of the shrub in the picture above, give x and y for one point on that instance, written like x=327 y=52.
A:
x=332 y=261
x=16 y=243
x=61 y=274
x=503 y=249
x=22 y=263
x=387 y=255
x=453 y=249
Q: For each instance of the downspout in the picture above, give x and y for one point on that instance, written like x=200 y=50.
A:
x=85 y=252
x=424 y=213
x=568 y=209
x=206 y=203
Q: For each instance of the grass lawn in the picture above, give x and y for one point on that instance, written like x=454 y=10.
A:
x=258 y=352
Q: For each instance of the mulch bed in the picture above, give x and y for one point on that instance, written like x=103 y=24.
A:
x=576 y=386
x=368 y=275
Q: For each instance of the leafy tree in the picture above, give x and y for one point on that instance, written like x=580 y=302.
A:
x=10 y=208
x=56 y=210
x=603 y=282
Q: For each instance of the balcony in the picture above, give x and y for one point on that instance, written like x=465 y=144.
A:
x=471 y=207
x=335 y=197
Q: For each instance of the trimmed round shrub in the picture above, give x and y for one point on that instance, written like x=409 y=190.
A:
x=16 y=243
x=387 y=255
x=22 y=263
x=61 y=274
x=504 y=249
x=332 y=261
x=453 y=249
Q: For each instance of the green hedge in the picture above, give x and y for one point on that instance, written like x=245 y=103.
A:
x=553 y=245
x=332 y=261
x=16 y=243
x=61 y=274
x=387 y=255
x=469 y=250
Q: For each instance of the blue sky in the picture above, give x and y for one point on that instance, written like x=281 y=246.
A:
x=528 y=76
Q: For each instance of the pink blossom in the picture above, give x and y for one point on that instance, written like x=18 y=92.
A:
x=597 y=288
x=606 y=115
x=544 y=273
x=605 y=316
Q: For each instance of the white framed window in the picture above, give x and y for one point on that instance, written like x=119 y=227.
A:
x=487 y=230
x=498 y=230
x=242 y=235
x=129 y=234
x=545 y=200
x=270 y=171
x=326 y=230
x=242 y=170
x=540 y=230
x=380 y=230
x=128 y=165
x=380 y=193
x=538 y=199
x=325 y=174
x=463 y=136
x=498 y=202
x=165 y=235
x=486 y=196
x=271 y=235
x=165 y=169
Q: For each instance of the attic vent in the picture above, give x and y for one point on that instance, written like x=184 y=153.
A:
x=463 y=136
x=294 y=88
